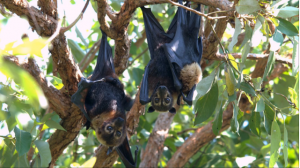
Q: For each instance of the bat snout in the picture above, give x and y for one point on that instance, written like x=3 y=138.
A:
x=119 y=122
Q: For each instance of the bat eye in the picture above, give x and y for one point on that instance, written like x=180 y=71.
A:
x=109 y=128
x=167 y=100
x=118 y=133
x=156 y=100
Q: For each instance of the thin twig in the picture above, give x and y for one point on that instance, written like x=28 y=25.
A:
x=186 y=130
x=90 y=59
x=64 y=29
x=143 y=52
x=195 y=11
x=96 y=44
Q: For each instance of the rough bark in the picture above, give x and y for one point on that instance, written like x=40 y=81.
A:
x=155 y=146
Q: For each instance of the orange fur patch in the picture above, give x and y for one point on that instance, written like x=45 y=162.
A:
x=190 y=75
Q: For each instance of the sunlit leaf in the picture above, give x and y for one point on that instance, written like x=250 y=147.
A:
x=235 y=126
x=245 y=52
x=27 y=82
x=53 y=124
x=260 y=105
x=89 y=163
x=275 y=143
x=206 y=105
x=238 y=30
x=44 y=152
x=230 y=81
x=247 y=6
x=287 y=27
x=257 y=35
x=247 y=88
x=295 y=59
x=23 y=141
x=205 y=84
x=232 y=61
x=33 y=47
x=288 y=11
x=257 y=83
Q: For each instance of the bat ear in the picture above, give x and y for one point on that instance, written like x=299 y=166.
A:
x=172 y=110
x=151 y=109
x=127 y=103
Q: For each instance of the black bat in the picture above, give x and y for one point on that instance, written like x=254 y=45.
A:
x=103 y=102
x=174 y=68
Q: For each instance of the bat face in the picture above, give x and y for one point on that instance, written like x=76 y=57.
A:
x=110 y=131
x=162 y=99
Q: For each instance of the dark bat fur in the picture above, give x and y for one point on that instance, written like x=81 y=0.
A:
x=103 y=102
x=174 y=68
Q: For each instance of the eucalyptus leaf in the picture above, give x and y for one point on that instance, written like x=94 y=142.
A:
x=295 y=56
x=287 y=27
x=288 y=11
x=270 y=63
x=238 y=30
x=217 y=123
x=269 y=116
x=285 y=146
x=23 y=141
x=44 y=152
x=247 y=6
x=254 y=123
x=275 y=143
x=206 y=105
x=77 y=52
x=205 y=84
x=53 y=124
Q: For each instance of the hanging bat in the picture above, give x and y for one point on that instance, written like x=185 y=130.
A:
x=103 y=102
x=174 y=68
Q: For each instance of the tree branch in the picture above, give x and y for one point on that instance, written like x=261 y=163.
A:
x=201 y=137
x=155 y=145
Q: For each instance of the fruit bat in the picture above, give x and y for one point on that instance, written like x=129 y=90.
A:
x=103 y=102
x=174 y=68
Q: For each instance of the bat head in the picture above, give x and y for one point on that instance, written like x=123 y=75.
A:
x=162 y=100
x=110 y=131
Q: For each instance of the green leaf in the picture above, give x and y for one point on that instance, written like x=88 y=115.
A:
x=247 y=88
x=53 y=124
x=232 y=61
x=270 y=63
x=32 y=90
x=44 y=152
x=235 y=126
x=285 y=146
x=245 y=52
x=230 y=80
x=254 y=123
x=46 y=117
x=257 y=83
x=76 y=50
x=257 y=35
x=78 y=33
x=33 y=47
x=247 y=6
x=217 y=123
x=23 y=141
x=287 y=27
x=260 y=106
x=205 y=84
x=269 y=116
x=295 y=66
x=288 y=11
x=275 y=144
x=206 y=105
x=248 y=34
x=90 y=162
x=238 y=30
